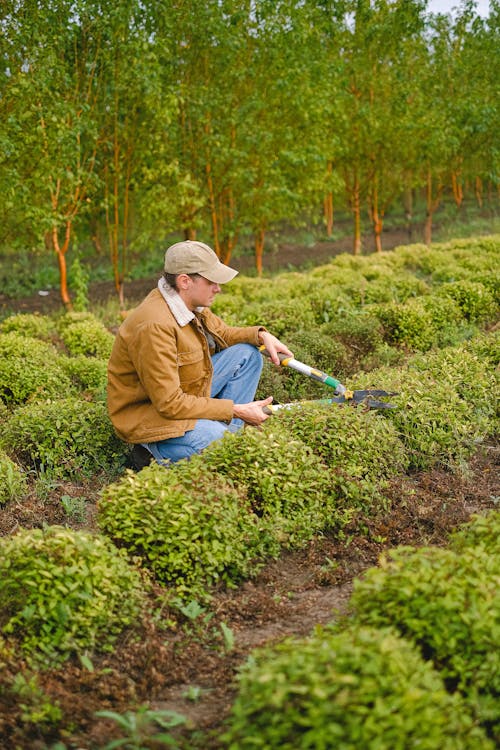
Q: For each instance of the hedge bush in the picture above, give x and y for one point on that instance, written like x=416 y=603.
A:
x=481 y=530
x=448 y=603
x=285 y=482
x=65 y=591
x=360 y=688
x=361 y=448
x=446 y=405
x=89 y=338
x=30 y=369
x=68 y=437
x=191 y=527
x=32 y=325
x=13 y=482
x=407 y=324
x=474 y=299
x=88 y=374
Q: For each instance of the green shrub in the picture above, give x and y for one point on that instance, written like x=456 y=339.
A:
x=88 y=374
x=30 y=369
x=449 y=604
x=286 y=483
x=437 y=419
x=361 y=688
x=65 y=591
x=68 y=437
x=12 y=480
x=475 y=300
x=481 y=530
x=72 y=318
x=89 y=338
x=447 y=319
x=408 y=324
x=469 y=376
x=359 y=332
x=486 y=346
x=362 y=449
x=394 y=288
x=29 y=324
x=190 y=527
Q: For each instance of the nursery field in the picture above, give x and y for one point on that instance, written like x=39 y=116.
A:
x=329 y=580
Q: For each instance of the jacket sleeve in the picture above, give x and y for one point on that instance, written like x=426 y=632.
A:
x=154 y=355
x=231 y=335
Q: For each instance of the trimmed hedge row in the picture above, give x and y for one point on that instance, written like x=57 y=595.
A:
x=360 y=688
x=65 y=591
x=416 y=663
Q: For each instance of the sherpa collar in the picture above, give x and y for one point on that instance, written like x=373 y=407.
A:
x=181 y=313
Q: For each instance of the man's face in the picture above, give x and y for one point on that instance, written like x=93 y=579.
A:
x=198 y=292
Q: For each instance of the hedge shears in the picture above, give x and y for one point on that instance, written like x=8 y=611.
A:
x=369 y=398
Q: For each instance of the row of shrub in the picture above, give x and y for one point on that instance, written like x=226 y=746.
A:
x=221 y=515
x=415 y=665
x=218 y=517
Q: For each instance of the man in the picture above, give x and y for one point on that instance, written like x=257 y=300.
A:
x=178 y=376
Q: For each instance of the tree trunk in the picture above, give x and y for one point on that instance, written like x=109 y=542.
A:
x=61 y=260
x=431 y=205
x=377 y=217
x=479 y=191
x=458 y=191
x=328 y=205
x=356 y=209
x=259 y=250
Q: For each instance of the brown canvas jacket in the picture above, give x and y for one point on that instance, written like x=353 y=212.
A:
x=160 y=373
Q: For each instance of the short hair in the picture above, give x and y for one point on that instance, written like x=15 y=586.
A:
x=171 y=278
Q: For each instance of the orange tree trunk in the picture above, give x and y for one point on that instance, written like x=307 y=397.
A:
x=61 y=251
x=432 y=202
x=259 y=250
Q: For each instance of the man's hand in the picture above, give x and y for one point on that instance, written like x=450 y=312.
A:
x=273 y=346
x=252 y=413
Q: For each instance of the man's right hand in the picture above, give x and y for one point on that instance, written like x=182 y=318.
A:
x=252 y=413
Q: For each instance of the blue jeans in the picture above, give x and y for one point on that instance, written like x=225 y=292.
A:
x=236 y=376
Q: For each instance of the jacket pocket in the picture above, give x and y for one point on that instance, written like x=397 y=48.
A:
x=191 y=366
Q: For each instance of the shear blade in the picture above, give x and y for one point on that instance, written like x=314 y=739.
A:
x=377 y=393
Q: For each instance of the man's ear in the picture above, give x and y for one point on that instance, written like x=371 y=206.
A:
x=182 y=281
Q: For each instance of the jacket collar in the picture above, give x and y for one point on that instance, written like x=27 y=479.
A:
x=181 y=313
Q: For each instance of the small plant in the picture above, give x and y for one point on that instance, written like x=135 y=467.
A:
x=88 y=374
x=68 y=437
x=474 y=299
x=29 y=369
x=79 y=283
x=89 y=338
x=139 y=726
x=13 y=482
x=75 y=508
x=362 y=449
x=448 y=603
x=481 y=530
x=191 y=527
x=36 y=707
x=287 y=484
x=360 y=688
x=65 y=591
x=407 y=324
x=31 y=325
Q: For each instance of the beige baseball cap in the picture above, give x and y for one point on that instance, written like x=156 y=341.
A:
x=191 y=256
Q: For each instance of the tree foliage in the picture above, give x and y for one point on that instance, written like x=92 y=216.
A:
x=124 y=125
